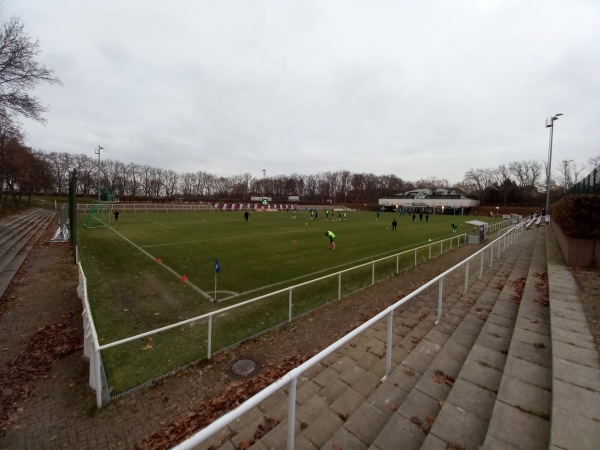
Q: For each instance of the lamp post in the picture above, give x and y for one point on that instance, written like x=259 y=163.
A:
x=97 y=151
x=550 y=124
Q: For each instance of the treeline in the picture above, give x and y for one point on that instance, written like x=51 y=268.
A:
x=27 y=172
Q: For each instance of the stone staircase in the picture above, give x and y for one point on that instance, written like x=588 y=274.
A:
x=481 y=378
x=18 y=233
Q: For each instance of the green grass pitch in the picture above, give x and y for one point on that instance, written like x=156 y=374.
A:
x=131 y=292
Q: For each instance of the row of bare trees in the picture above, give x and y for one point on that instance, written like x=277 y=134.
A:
x=520 y=182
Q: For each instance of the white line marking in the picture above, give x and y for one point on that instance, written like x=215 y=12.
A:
x=227 y=238
x=193 y=286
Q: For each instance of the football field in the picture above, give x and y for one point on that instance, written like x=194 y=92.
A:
x=150 y=270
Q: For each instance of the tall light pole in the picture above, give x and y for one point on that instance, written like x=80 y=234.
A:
x=550 y=124
x=98 y=153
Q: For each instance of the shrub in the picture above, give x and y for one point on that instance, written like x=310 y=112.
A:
x=579 y=216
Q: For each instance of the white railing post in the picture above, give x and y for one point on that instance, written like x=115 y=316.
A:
x=440 y=293
x=388 y=354
x=441 y=248
x=373 y=274
x=481 y=265
x=415 y=257
x=290 y=307
x=208 y=353
x=340 y=286
x=466 y=276
x=291 y=425
x=429 y=251
x=397 y=264
x=97 y=366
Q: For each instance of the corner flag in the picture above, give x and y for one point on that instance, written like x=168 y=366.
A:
x=217 y=266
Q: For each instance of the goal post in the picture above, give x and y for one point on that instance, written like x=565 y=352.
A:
x=97 y=217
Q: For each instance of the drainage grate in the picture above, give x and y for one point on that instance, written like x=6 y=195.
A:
x=243 y=367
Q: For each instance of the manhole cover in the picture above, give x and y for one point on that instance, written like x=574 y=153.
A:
x=243 y=367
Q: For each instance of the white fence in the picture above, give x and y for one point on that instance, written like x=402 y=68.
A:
x=290 y=379
x=97 y=380
x=148 y=207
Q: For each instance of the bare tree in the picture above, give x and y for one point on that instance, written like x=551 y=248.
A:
x=594 y=161
x=478 y=181
x=20 y=72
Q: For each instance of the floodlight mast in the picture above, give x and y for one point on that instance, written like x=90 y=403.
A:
x=550 y=124
x=97 y=151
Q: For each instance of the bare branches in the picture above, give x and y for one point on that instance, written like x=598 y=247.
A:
x=20 y=72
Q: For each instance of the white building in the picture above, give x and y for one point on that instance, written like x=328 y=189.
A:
x=440 y=201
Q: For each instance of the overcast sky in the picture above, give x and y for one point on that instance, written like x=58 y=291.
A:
x=418 y=89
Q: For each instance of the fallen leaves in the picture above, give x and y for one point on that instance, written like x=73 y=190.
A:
x=408 y=371
x=441 y=378
x=45 y=346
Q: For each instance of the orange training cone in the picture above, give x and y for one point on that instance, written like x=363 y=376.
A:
x=158 y=260
x=183 y=278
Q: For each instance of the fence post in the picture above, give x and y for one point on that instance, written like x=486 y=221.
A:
x=291 y=425
x=440 y=292
x=373 y=273
x=415 y=257
x=97 y=358
x=290 y=307
x=397 y=264
x=209 y=336
x=388 y=355
x=429 y=251
x=441 y=248
x=466 y=276
x=340 y=286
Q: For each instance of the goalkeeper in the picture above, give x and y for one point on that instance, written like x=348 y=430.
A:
x=331 y=237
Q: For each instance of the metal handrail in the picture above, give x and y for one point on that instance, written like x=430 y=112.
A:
x=291 y=377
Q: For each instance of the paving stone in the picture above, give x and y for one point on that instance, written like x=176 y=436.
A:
x=277 y=437
x=498 y=330
x=343 y=439
x=303 y=394
x=568 y=324
x=537 y=326
x=573 y=337
x=418 y=404
x=579 y=355
x=503 y=321
x=574 y=431
x=366 y=384
x=577 y=374
x=366 y=422
x=333 y=390
x=530 y=337
x=399 y=431
x=541 y=356
x=469 y=328
x=255 y=415
x=322 y=428
x=387 y=398
x=433 y=442
x=495 y=343
x=560 y=303
x=326 y=377
x=428 y=386
x=495 y=443
x=480 y=375
x=465 y=340
x=527 y=371
x=311 y=409
x=398 y=354
x=577 y=316
x=472 y=398
x=346 y=404
x=575 y=399
x=367 y=360
x=486 y=356
x=437 y=336
x=451 y=424
x=417 y=361
x=525 y=396
x=351 y=374
x=526 y=431
x=444 y=362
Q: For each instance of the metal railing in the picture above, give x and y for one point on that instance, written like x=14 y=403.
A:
x=148 y=207
x=588 y=185
x=290 y=379
x=421 y=253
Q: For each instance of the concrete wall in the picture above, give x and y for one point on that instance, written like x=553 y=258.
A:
x=577 y=252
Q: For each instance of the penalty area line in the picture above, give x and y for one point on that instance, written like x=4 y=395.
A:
x=193 y=286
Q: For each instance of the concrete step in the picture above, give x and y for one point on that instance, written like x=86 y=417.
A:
x=575 y=409
x=470 y=403
x=521 y=415
x=419 y=413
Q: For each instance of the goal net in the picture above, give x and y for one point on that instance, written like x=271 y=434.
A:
x=97 y=217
